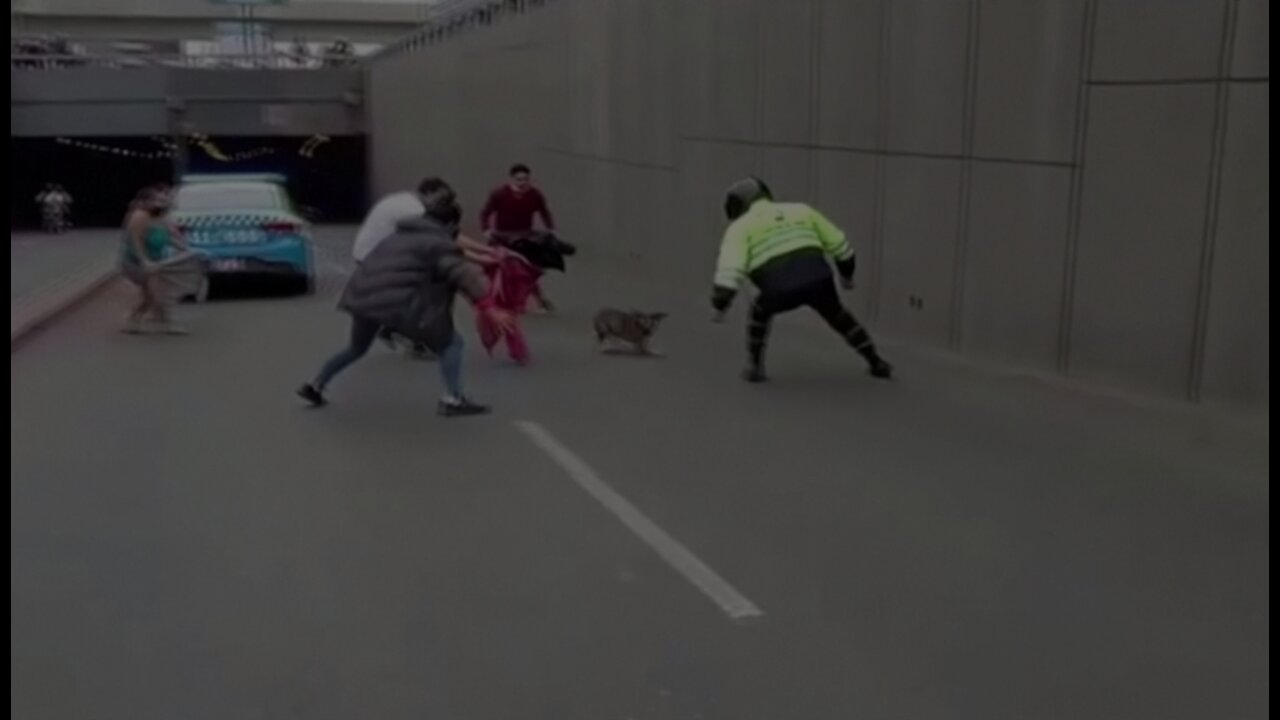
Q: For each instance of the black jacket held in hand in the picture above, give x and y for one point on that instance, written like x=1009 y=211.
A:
x=409 y=281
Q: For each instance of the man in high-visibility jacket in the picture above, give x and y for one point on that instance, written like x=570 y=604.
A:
x=784 y=249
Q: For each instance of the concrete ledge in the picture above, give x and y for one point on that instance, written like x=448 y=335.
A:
x=56 y=306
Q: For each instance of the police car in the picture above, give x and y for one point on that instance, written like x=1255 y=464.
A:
x=246 y=226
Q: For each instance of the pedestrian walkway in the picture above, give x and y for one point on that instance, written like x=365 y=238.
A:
x=50 y=272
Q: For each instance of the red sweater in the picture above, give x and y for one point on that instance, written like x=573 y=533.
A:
x=508 y=212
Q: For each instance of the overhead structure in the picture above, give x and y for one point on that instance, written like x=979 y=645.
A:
x=150 y=20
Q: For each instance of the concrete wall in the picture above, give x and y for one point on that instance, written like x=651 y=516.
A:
x=1078 y=186
x=102 y=102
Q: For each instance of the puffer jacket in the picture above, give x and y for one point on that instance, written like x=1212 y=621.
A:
x=409 y=281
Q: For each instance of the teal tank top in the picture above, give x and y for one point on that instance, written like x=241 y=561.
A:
x=155 y=243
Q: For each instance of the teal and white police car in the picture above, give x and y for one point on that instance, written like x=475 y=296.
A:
x=247 y=227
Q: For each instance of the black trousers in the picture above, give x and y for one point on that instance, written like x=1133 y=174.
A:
x=823 y=298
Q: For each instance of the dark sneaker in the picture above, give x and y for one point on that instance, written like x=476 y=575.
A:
x=312 y=395
x=461 y=407
x=881 y=369
x=754 y=374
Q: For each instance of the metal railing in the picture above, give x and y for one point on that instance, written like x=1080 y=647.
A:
x=271 y=61
x=452 y=18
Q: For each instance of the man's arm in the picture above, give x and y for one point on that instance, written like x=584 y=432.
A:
x=836 y=245
x=731 y=269
x=463 y=276
x=477 y=251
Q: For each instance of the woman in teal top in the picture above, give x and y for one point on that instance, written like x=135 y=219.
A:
x=147 y=238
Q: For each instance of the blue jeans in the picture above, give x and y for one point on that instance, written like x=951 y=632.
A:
x=364 y=332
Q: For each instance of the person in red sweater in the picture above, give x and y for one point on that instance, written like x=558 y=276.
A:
x=510 y=211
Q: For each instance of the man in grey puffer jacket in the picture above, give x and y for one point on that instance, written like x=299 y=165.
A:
x=407 y=284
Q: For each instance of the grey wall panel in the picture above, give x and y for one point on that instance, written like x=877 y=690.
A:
x=554 y=102
x=928 y=47
x=1158 y=39
x=664 y=112
x=694 y=24
x=786 y=79
x=845 y=193
x=1237 y=351
x=627 y=239
x=661 y=243
x=590 y=206
x=922 y=198
x=589 y=76
x=706 y=171
x=788 y=171
x=1141 y=230
x=1028 y=79
x=627 y=70
x=848 y=72
x=1014 y=263
x=735 y=69
x=1252 y=51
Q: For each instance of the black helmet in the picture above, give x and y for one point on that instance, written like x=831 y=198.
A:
x=743 y=194
x=441 y=202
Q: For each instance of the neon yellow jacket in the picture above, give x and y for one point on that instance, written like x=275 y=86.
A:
x=769 y=231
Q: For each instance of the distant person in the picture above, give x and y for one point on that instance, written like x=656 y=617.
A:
x=301 y=53
x=384 y=219
x=339 y=54
x=510 y=211
x=785 y=250
x=408 y=283
x=55 y=207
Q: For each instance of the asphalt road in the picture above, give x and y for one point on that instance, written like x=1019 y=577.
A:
x=189 y=542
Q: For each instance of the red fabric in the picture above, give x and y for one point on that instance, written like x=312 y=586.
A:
x=509 y=212
x=512 y=282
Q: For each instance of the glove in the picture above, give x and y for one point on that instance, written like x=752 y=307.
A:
x=846 y=269
x=722 y=298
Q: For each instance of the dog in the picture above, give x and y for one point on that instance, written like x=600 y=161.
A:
x=633 y=328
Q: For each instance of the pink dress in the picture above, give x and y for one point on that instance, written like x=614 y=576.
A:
x=513 y=280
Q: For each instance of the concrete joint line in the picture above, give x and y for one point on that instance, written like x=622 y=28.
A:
x=1213 y=201
x=1067 y=298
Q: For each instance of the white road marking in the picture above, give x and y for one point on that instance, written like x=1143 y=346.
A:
x=734 y=603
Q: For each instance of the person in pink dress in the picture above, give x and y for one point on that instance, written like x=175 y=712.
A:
x=513 y=280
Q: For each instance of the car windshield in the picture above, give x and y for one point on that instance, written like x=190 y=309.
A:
x=229 y=196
